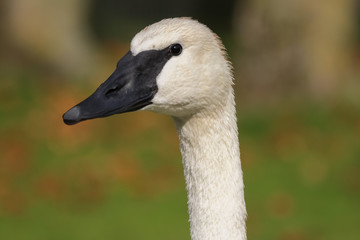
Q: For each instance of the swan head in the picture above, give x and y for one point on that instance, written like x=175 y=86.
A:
x=176 y=67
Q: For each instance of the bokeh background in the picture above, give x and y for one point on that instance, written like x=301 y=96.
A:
x=297 y=71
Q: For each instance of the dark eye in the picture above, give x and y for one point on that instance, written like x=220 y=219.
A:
x=175 y=49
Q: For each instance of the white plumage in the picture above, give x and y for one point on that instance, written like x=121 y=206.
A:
x=196 y=89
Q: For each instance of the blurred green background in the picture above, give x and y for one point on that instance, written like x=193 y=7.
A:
x=297 y=71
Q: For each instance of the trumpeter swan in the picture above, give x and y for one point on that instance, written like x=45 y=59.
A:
x=178 y=67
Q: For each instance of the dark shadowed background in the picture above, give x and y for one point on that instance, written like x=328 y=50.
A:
x=297 y=83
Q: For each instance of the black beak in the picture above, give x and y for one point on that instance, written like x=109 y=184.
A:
x=131 y=87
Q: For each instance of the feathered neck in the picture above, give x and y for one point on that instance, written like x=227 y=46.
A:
x=214 y=180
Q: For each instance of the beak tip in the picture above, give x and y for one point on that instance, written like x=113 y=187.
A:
x=72 y=116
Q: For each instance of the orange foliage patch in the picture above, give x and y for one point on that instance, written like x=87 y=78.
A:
x=14 y=157
x=123 y=167
x=51 y=186
x=281 y=205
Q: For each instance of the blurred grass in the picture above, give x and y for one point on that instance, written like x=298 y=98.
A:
x=121 y=177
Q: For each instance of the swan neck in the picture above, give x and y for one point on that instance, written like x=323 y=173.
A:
x=211 y=158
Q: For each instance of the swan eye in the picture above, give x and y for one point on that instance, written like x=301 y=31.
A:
x=175 y=49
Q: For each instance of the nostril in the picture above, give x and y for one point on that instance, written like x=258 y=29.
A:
x=112 y=91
